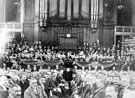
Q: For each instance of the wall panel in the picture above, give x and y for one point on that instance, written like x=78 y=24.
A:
x=52 y=34
x=108 y=36
x=12 y=11
x=29 y=32
x=2 y=10
x=29 y=11
x=29 y=21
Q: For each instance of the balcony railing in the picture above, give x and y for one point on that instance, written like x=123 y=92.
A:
x=13 y=26
x=124 y=30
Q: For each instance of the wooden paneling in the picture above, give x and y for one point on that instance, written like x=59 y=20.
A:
x=11 y=11
x=101 y=30
x=52 y=34
x=29 y=32
x=90 y=36
x=108 y=36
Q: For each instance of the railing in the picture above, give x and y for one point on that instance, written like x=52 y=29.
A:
x=124 y=30
x=11 y=26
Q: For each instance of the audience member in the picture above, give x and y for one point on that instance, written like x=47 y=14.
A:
x=34 y=90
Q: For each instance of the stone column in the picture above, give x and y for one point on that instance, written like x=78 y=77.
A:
x=22 y=10
x=22 y=14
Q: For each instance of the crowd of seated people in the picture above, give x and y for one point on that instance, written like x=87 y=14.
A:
x=88 y=53
x=51 y=83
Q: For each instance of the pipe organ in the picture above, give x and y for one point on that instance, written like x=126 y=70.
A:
x=71 y=9
x=83 y=20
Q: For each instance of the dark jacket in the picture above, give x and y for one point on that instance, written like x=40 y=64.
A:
x=3 y=93
x=99 y=93
x=23 y=86
x=29 y=93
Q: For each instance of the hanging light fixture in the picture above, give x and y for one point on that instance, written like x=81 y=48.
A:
x=120 y=6
x=17 y=2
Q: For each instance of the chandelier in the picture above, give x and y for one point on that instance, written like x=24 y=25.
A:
x=17 y=2
x=120 y=5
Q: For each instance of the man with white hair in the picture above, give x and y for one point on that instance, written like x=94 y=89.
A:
x=111 y=91
x=99 y=89
x=15 y=92
x=34 y=91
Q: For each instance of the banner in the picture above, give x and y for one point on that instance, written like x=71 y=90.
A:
x=105 y=64
x=53 y=62
x=82 y=64
x=30 y=62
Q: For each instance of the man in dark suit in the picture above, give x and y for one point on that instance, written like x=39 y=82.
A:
x=52 y=86
x=24 y=84
x=68 y=75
